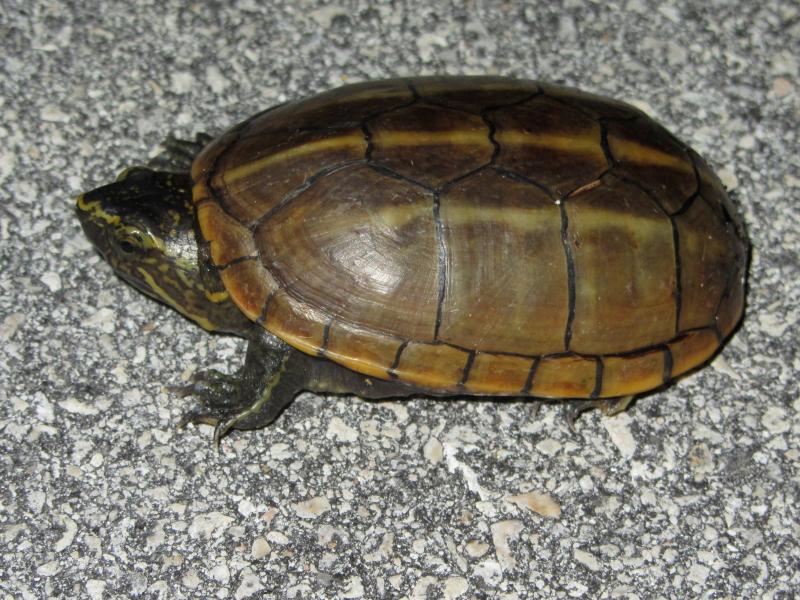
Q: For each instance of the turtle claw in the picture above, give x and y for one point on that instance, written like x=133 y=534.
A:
x=608 y=406
x=197 y=418
x=222 y=429
x=213 y=388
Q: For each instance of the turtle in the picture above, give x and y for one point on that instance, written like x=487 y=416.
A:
x=433 y=236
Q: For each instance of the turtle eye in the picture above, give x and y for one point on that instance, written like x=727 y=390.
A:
x=130 y=240
x=127 y=247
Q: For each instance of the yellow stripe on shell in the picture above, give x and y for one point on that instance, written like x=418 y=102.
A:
x=631 y=151
x=352 y=140
x=627 y=150
x=588 y=143
x=454 y=137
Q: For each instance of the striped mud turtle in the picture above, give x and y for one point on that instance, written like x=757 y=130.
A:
x=470 y=236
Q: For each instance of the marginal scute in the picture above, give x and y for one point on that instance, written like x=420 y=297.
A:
x=229 y=240
x=599 y=107
x=627 y=375
x=432 y=366
x=250 y=284
x=714 y=192
x=732 y=305
x=498 y=374
x=296 y=322
x=564 y=377
x=361 y=350
x=692 y=349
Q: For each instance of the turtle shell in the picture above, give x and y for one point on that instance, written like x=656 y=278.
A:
x=475 y=235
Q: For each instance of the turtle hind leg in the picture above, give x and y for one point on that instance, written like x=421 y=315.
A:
x=178 y=155
x=608 y=406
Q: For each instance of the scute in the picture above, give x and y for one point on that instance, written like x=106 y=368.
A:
x=476 y=235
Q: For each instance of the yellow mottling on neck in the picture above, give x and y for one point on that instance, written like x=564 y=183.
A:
x=204 y=322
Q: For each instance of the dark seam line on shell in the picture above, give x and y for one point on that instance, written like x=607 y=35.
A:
x=339 y=127
x=698 y=181
x=492 y=130
x=427 y=101
x=687 y=204
x=727 y=218
x=392 y=371
x=676 y=248
x=367 y=132
x=570 y=275
x=522 y=179
x=326 y=333
x=289 y=196
x=539 y=92
x=564 y=102
x=713 y=208
x=262 y=317
x=718 y=334
x=412 y=88
x=368 y=139
x=384 y=170
x=449 y=184
x=526 y=388
x=467 y=368
x=725 y=293
x=668 y=363
x=631 y=181
x=236 y=261
x=385 y=111
x=604 y=145
x=628 y=353
x=598 y=378
x=437 y=218
x=678 y=269
x=443 y=104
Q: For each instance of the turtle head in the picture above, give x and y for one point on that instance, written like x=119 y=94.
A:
x=143 y=225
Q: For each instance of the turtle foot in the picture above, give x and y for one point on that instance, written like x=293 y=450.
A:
x=213 y=388
x=177 y=155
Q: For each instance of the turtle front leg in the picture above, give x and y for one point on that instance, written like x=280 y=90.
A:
x=252 y=398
